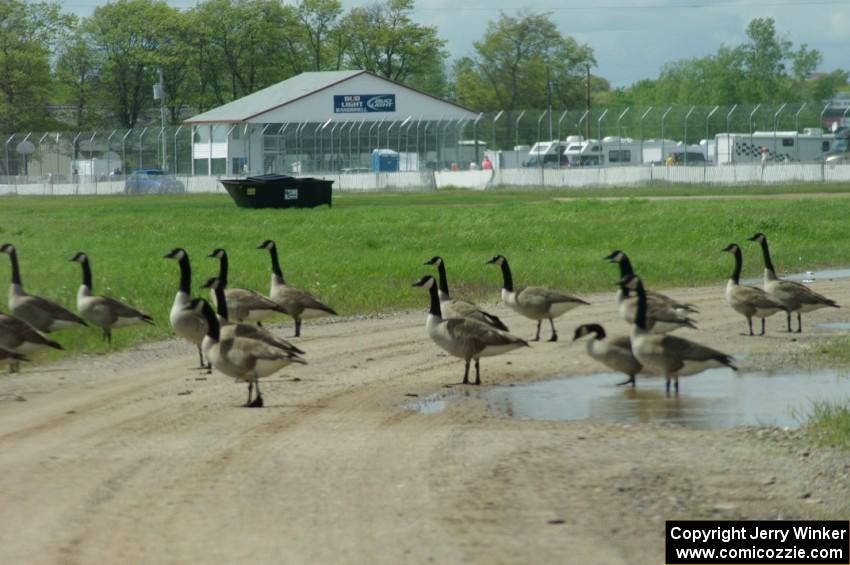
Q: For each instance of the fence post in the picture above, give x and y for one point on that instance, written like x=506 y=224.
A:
x=728 y=134
x=640 y=133
x=493 y=129
x=8 y=141
x=560 y=151
x=141 y=147
x=775 y=124
x=41 y=160
x=599 y=123
x=750 y=123
x=688 y=115
x=663 y=139
x=620 y=136
x=176 y=164
x=516 y=128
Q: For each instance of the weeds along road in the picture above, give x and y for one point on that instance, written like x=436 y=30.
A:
x=130 y=457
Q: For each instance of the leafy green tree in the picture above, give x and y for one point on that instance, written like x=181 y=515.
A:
x=384 y=39
x=78 y=74
x=27 y=33
x=128 y=35
x=513 y=63
x=510 y=65
x=319 y=22
x=237 y=48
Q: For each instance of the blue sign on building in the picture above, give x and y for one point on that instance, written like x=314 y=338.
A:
x=358 y=103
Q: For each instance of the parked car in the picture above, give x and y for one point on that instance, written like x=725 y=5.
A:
x=152 y=181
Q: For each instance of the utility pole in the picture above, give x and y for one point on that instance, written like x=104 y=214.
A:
x=159 y=94
x=587 y=96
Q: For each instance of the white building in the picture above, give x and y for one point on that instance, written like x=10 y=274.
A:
x=325 y=121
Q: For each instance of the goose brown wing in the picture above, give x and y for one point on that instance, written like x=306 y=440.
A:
x=540 y=296
x=802 y=294
x=303 y=298
x=33 y=305
x=15 y=332
x=687 y=350
x=250 y=300
x=473 y=331
x=757 y=297
x=115 y=309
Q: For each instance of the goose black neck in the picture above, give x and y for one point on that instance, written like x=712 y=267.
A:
x=640 y=316
x=508 y=283
x=221 y=301
x=185 y=275
x=435 y=302
x=598 y=330
x=444 y=283
x=275 y=262
x=736 y=271
x=768 y=264
x=222 y=271
x=213 y=327
x=16 y=273
x=626 y=267
x=86 y=273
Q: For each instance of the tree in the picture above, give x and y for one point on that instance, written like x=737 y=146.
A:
x=512 y=63
x=27 y=33
x=78 y=73
x=128 y=35
x=239 y=47
x=384 y=40
x=319 y=22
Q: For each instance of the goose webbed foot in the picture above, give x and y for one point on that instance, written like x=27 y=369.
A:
x=630 y=380
x=554 y=336
x=256 y=403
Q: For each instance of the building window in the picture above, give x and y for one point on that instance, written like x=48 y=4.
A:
x=201 y=167
x=787 y=142
x=219 y=167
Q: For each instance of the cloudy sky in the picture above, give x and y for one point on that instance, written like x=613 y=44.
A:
x=633 y=38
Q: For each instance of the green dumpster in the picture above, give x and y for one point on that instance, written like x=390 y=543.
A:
x=279 y=191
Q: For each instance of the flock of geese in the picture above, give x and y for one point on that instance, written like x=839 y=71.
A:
x=230 y=338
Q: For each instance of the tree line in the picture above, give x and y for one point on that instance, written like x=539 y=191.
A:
x=99 y=71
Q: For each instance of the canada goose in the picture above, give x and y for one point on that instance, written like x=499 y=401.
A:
x=464 y=337
x=669 y=355
x=461 y=308
x=10 y=358
x=794 y=296
x=41 y=313
x=661 y=317
x=748 y=301
x=21 y=338
x=190 y=326
x=104 y=311
x=534 y=302
x=297 y=303
x=626 y=269
x=239 y=357
x=244 y=305
x=230 y=329
x=614 y=352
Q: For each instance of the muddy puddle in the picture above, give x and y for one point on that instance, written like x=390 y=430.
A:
x=717 y=398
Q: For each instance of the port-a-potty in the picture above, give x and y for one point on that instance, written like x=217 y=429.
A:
x=279 y=191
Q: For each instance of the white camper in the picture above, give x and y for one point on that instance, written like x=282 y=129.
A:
x=776 y=146
x=546 y=154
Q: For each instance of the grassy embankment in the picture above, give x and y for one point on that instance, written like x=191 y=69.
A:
x=362 y=255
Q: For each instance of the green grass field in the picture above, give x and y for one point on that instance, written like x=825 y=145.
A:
x=362 y=255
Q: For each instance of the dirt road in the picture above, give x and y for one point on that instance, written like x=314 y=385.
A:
x=134 y=457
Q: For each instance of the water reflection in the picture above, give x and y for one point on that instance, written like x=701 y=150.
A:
x=718 y=398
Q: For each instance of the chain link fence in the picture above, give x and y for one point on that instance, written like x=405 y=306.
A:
x=101 y=162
